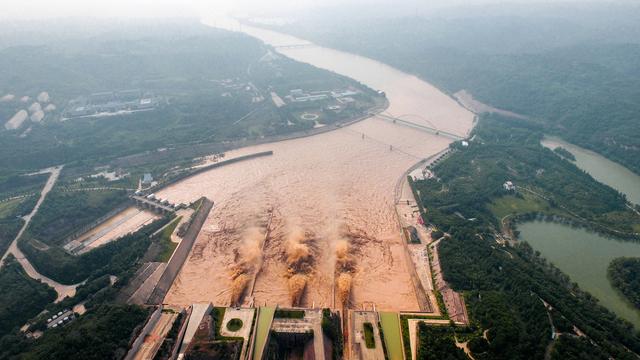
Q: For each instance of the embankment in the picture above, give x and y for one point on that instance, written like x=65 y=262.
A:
x=180 y=254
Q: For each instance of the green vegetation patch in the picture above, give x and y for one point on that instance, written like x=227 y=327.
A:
x=470 y=184
x=11 y=212
x=437 y=342
x=17 y=207
x=332 y=328
x=519 y=204
x=104 y=333
x=8 y=231
x=504 y=286
x=576 y=348
x=167 y=246
x=14 y=184
x=21 y=297
x=234 y=325
x=624 y=274
x=369 y=338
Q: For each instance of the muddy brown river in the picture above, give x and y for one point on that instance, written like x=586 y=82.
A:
x=328 y=201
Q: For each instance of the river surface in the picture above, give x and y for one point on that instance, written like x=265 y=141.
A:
x=602 y=169
x=584 y=256
x=328 y=201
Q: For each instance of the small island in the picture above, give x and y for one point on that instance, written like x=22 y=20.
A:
x=624 y=274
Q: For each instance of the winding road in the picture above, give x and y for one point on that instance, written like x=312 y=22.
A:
x=62 y=290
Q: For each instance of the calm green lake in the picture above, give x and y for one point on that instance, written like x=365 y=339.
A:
x=584 y=256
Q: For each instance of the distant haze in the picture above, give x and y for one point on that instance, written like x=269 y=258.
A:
x=39 y=9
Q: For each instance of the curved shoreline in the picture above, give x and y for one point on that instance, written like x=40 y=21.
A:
x=338 y=187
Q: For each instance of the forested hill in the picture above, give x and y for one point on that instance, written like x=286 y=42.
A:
x=562 y=67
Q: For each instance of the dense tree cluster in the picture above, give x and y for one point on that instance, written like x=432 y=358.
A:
x=104 y=333
x=624 y=274
x=505 y=286
x=509 y=150
x=437 y=343
x=21 y=297
x=332 y=328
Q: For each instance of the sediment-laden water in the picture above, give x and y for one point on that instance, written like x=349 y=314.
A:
x=328 y=200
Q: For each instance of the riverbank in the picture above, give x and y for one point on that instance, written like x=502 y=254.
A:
x=585 y=257
x=602 y=169
x=336 y=188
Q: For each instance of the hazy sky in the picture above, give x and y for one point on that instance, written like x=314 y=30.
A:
x=37 y=9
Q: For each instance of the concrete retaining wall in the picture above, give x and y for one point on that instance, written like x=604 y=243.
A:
x=135 y=347
x=180 y=254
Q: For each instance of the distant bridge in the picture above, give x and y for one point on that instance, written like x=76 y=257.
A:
x=294 y=46
x=429 y=129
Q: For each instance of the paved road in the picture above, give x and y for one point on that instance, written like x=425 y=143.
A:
x=62 y=290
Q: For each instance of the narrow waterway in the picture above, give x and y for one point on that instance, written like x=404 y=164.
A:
x=602 y=169
x=584 y=256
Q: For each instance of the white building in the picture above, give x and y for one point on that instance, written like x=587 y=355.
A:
x=509 y=186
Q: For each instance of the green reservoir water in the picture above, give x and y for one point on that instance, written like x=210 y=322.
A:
x=390 y=322
x=584 y=256
x=601 y=168
x=265 y=317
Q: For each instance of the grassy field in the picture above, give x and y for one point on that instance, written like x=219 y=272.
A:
x=167 y=246
x=390 y=322
x=7 y=208
x=511 y=204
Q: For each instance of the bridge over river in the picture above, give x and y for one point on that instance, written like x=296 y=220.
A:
x=429 y=129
